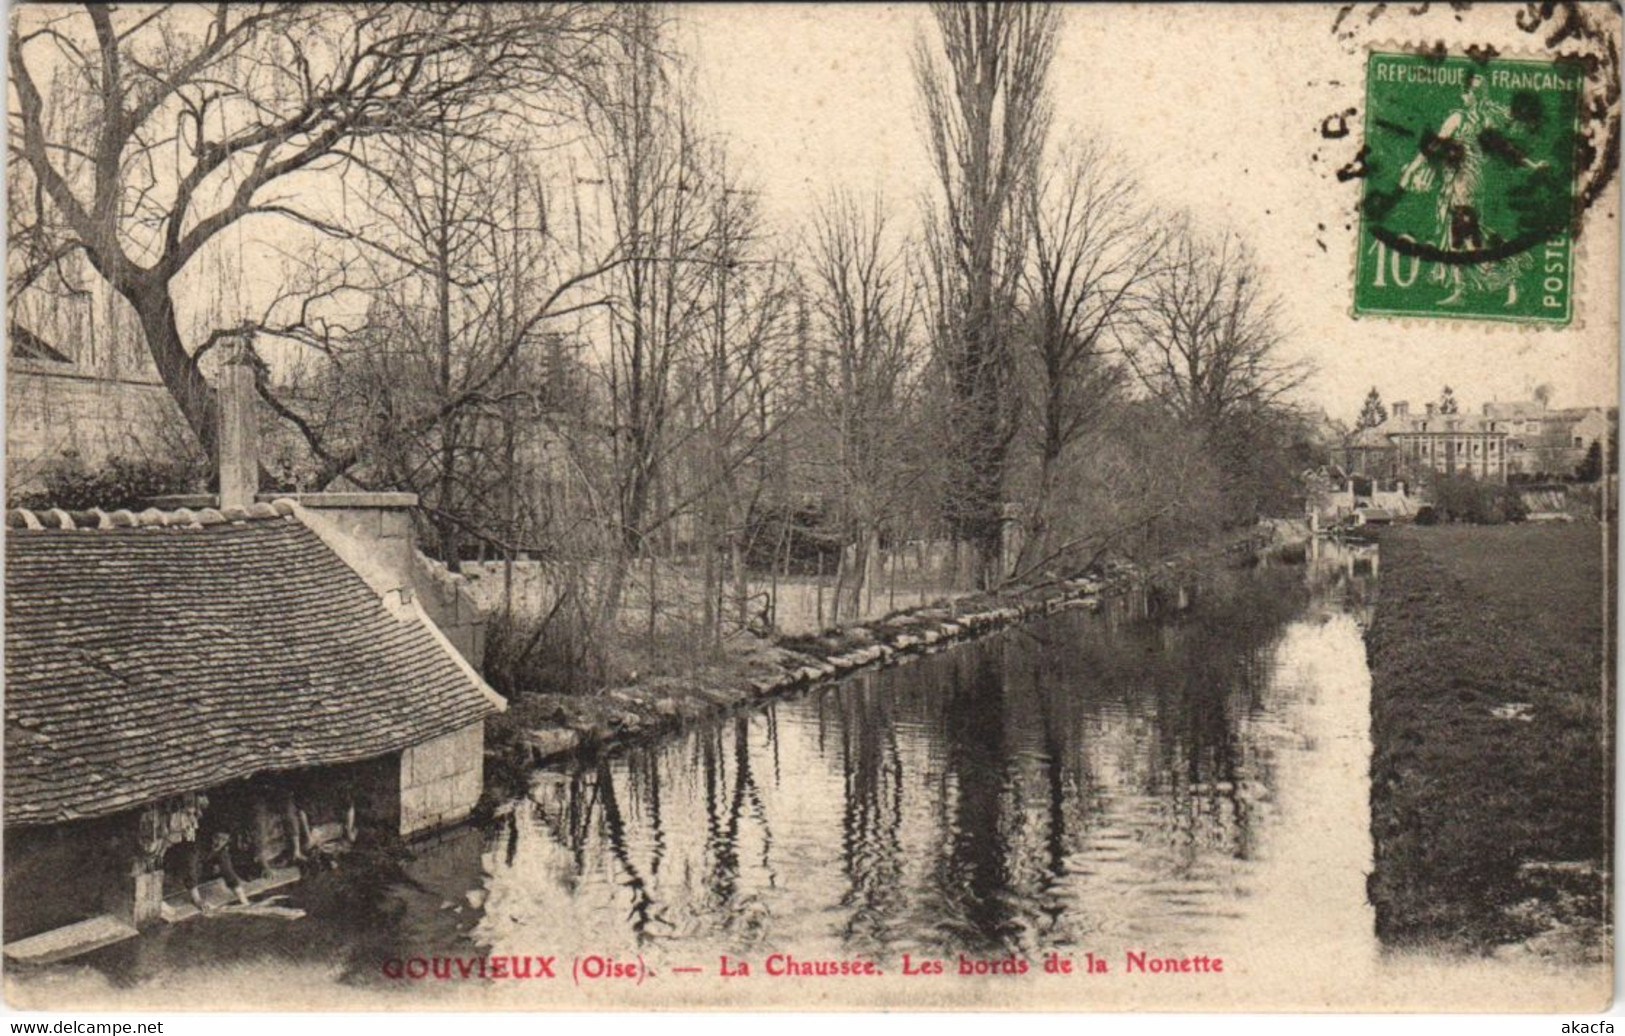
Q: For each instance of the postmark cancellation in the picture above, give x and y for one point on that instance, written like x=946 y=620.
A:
x=1469 y=190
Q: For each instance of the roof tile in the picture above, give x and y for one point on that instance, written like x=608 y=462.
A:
x=154 y=658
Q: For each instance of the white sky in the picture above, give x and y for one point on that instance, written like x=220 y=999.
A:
x=1216 y=109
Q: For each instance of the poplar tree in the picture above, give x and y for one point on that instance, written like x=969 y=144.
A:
x=1373 y=413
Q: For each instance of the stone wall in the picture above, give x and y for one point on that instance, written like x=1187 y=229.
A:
x=449 y=600
x=52 y=409
x=441 y=779
x=534 y=590
x=373 y=533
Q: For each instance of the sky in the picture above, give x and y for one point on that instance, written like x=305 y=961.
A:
x=1217 y=111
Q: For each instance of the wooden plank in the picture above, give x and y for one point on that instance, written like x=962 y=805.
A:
x=216 y=895
x=70 y=940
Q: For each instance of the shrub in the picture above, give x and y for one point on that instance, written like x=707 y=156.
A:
x=1462 y=498
x=1590 y=467
x=554 y=654
x=122 y=482
x=801 y=536
x=1512 y=505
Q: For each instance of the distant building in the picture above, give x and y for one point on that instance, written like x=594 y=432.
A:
x=1369 y=453
x=1412 y=445
x=1549 y=441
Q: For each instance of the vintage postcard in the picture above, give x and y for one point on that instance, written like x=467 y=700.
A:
x=820 y=507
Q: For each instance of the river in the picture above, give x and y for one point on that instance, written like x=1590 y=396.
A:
x=1182 y=775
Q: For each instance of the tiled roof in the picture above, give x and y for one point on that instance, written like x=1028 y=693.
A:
x=1438 y=424
x=1517 y=409
x=1369 y=437
x=153 y=654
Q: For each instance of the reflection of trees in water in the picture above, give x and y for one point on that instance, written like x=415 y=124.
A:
x=577 y=819
x=871 y=814
x=1212 y=675
x=642 y=912
x=1070 y=798
x=1022 y=718
x=974 y=876
x=563 y=806
x=509 y=835
x=643 y=780
x=1015 y=723
x=770 y=720
x=987 y=795
x=1050 y=789
x=583 y=813
x=617 y=806
x=1011 y=794
x=744 y=916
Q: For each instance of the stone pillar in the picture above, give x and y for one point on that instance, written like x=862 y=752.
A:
x=237 y=433
x=139 y=901
x=148 y=904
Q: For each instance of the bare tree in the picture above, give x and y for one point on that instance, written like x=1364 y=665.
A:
x=865 y=362
x=1092 y=250
x=1208 y=347
x=457 y=250
x=741 y=361
x=651 y=166
x=1140 y=488
x=1208 y=338
x=188 y=121
x=987 y=114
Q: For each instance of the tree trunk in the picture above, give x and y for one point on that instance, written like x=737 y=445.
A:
x=609 y=607
x=741 y=580
x=860 y=573
x=179 y=373
x=1038 y=526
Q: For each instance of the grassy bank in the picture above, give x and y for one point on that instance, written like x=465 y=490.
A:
x=1492 y=749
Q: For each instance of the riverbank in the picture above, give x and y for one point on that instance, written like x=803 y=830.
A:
x=541 y=728
x=1491 y=730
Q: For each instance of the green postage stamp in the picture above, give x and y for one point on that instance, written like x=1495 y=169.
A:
x=1469 y=188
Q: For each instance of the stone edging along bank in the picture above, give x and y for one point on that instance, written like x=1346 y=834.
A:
x=546 y=729
x=543 y=729
x=549 y=728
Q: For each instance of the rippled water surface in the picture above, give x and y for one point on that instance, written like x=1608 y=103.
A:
x=1088 y=782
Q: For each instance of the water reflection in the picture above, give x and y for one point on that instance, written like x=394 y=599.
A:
x=1085 y=778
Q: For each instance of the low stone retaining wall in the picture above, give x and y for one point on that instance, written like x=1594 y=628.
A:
x=549 y=727
x=623 y=714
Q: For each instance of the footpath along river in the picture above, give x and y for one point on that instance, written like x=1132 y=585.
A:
x=1181 y=777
